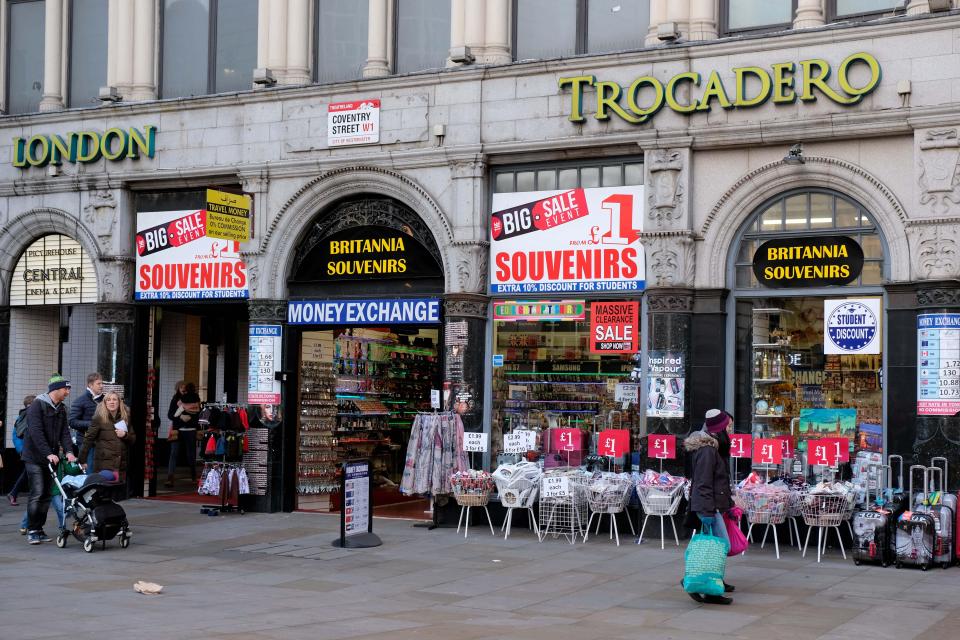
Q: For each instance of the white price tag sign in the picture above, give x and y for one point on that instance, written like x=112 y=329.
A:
x=475 y=442
x=514 y=443
x=435 y=398
x=626 y=392
x=555 y=487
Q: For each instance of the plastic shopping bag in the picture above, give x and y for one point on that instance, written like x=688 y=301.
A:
x=738 y=541
x=705 y=562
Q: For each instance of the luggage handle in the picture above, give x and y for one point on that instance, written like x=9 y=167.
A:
x=882 y=474
x=619 y=416
x=911 y=497
x=945 y=473
x=899 y=475
x=932 y=471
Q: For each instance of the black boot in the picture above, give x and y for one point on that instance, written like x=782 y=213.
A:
x=717 y=600
x=728 y=588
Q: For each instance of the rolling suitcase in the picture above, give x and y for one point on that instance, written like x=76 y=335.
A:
x=914 y=541
x=950 y=500
x=873 y=527
x=944 y=518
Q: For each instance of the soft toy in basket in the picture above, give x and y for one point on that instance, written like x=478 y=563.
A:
x=471 y=488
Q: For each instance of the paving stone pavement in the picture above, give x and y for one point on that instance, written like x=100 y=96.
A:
x=276 y=576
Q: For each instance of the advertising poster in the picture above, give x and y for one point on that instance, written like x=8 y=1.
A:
x=665 y=384
x=266 y=354
x=938 y=364
x=356 y=497
x=567 y=241
x=614 y=327
x=228 y=216
x=350 y=123
x=177 y=260
x=827 y=423
x=851 y=326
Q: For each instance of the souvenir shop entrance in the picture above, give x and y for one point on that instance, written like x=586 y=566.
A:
x=808 y=330
x=362 y=366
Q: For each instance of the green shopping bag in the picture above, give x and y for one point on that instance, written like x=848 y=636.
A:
x=705 y=562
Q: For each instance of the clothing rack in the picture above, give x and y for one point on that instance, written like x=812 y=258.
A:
x=223 y=507
x=434 y=452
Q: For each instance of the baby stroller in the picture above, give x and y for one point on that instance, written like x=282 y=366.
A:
x=96 y=517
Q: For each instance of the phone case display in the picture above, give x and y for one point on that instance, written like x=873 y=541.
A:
x=550 y=380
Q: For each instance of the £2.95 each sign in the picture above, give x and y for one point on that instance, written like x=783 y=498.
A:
x=567 y=241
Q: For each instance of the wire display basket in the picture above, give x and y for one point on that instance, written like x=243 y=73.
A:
x=563 y=504
x=824 y=512
x=660 y=501
x=608 y=494
x=767 y=508
x=518 y=486
x=472 y=499
x=471 y=489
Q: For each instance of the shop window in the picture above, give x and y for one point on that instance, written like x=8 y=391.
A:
x=612 y=174
x=88 y=51
x=341 y=39
x=526 y=181
x=809 y=214
x=423 y=35
x=209 y=46
x=560 y=28
x=863 y=9
x=24 y=56
x=739 y=16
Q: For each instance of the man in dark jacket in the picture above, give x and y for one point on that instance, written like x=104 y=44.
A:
x=82 y=410
x=47 y=433
x=710 y=494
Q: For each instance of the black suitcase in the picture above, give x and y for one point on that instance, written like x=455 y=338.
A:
x=916 y=532
x=874 y=527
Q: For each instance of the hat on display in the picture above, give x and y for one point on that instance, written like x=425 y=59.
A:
x=57 y=381
x=716 y=420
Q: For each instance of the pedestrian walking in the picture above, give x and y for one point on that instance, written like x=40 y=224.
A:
x=64 y=469
x=82 y=410
x=710 y=494
x=47 y=434
x=19 y=425
x=110 y=433
x=183 y=413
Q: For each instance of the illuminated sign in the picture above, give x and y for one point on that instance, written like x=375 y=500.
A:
x=784 y=83
x=543 y=310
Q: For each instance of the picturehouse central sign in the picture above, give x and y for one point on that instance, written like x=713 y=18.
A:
x=783 y=83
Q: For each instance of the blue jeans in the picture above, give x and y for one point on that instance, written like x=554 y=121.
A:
x=57 y=502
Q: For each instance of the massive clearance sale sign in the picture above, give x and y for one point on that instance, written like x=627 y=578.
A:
x=567 y=241
x=177 y=260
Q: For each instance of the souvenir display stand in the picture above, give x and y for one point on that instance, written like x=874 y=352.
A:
x=563 y=504
x=472 y=489
x=609 y=494
x=660 y=496
x=518 y=486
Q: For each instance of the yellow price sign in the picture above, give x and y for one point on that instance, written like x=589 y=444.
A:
x=228 y=215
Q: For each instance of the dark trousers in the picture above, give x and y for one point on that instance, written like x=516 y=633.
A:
x=18 y=485
x=187 y=440
x=41 y=484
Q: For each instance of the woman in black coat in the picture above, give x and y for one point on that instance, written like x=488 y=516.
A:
x=710 y=494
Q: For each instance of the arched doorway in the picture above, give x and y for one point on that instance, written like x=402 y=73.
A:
x=364 y=321
x=806 y=270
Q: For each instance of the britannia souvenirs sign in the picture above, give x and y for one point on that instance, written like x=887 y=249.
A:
x=783 y=83
x=808 y=262
x=54 y=269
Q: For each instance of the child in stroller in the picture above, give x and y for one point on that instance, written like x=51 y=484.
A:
x=96 y=517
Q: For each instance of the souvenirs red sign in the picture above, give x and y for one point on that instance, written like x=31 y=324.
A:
x=614 y=327
x=767 y=451
x=566 y=440
x=740 y=445
x=787 y=443
x=662 y=446
x=614 y=442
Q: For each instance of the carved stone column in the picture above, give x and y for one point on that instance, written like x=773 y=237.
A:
x=267 y=311
x=809 y=14
x=115 y=342
x=938 y=171
x=465 y=330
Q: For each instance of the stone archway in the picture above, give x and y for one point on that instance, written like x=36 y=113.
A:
x=722 y=225
x=17 y=234
x=300 y=211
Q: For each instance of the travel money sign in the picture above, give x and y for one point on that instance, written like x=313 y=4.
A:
x=808 y=262
x=783 y=83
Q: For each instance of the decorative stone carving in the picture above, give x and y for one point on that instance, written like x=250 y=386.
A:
x=471 y=267
x=674 y=301
x=465 y=305
x=666 y=189
x=254 y=183
x=116 y=280
x=939 y=167
x=939 y=297
x=936 y=251
x=253 y=274
x=267 y=311
x=100 y=214
x=670 y=260
x=115 y=313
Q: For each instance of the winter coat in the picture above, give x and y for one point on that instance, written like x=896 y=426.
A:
x=82 y=410
x=47 y=431
x=710 y=487
x=111 y=450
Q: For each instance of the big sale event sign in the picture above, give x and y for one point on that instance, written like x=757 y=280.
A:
x=567 y=241
x=177 y=260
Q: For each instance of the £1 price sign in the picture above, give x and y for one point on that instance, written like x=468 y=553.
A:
x=787 y=443
x=662 y=447
x=614 y=443
x=821 y=453
x=740 y=445
x=566 y=440
x=839 y=447
x=767 y=451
